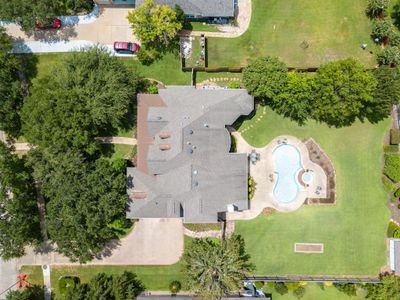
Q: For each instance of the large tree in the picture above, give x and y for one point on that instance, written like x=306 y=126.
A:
x=296 y=100
x=343 y=91
x=213 y=269
x=83 y=198
x=19 y=215
x=25 y=12
x=154 y=24
x=11 y=96
x=265 y=77
x=87 y=93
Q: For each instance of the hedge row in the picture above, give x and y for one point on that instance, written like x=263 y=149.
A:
x=394 y=136
x=392 y=166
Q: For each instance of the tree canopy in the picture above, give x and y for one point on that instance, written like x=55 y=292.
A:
x=213 y=269
x=25 y=12
x=34 y=292
x=83 y=198
x=265 y=77
x=11 y=97
x=154 y=24
x=117 y=287
x=296 y=100
x=86 y=93
x=19 y=215
x=344 y=91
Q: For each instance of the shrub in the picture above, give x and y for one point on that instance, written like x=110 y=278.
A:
x=281 y=288
x=259 y=284
x=348 y=288
x=388 y=185
x=382 y=29
x=390 y=148
x=377 y=8
x=389 y=56
x=175 y=286
x=395 y=136
x=67 y=282
x=392 y=166
x=234 y=85
x=299 y=292
x=397 y=193
x=292 y=286
x=252 y=187
x=328 y=283
x=393 y=230
x=152 y=89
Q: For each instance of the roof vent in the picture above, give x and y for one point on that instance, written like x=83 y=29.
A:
x=159 y=118
x=191 y=131
x=164 y=135
x=195 y=184
x=195 y=172
x=165 y=147
x=206 y=125
x=138 y=195
x=190 y=151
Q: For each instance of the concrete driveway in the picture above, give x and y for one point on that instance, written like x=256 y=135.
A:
x=151 y=242
x=111 y=25
x=8 y=276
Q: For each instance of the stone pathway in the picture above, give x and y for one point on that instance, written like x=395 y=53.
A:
x=264 y=113
x=228 y=31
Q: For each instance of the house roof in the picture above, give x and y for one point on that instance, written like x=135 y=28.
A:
x=185 y=167
x=395 y=255
x=200 y=8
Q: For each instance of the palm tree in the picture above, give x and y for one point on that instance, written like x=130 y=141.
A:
x=216 y=268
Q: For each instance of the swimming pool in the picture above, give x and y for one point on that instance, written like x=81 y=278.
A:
x=287 y=162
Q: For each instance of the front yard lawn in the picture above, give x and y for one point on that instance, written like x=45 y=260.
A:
x=353 y=231
x=333 y=29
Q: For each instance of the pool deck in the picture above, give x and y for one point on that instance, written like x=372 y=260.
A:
x=263 y=173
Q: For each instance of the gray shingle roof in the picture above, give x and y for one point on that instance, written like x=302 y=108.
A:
x=200 y=8
x=197 y=177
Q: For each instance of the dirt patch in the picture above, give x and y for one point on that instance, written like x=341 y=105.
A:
x=308 y=248
x=319 y=157
x=268 y=211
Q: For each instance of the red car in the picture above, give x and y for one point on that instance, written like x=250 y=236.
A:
x=45 y=23
x=126 y=47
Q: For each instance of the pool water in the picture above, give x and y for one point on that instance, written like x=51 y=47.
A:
x=307 y=177
x=287 y=162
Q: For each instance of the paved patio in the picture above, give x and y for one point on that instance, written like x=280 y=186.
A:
x=264 y=174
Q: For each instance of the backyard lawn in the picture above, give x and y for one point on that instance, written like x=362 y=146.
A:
x=333 y=29
x=353 y=230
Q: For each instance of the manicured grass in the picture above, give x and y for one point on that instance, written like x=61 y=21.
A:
x=313 y=291
x=333 y=29
x=35 y=274
x=201 y=26
x=116 y=151
x=352 y=231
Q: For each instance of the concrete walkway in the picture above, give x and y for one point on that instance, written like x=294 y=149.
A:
x=8 y=276
x=46 y=282
x=117 y=140
x=151 y=242
x=228 y=31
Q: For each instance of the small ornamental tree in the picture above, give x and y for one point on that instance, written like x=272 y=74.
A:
x=382 y=29
x=377 y=8
x=155 y=24
x=389 y=56
x=389 y=288
x=175 y=286
x=299 y=292
x=348 y=288
x=265 y=77
x=281 y=288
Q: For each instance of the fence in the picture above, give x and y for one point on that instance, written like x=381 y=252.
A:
x=316 y=279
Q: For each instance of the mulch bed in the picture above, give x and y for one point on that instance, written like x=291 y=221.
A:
x=319 y=157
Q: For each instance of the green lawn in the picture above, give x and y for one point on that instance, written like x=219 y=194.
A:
x=353 y=230
x=155 y=278
x=314 y=292
x=35 y=274
x=333 y=29
x=201 y=26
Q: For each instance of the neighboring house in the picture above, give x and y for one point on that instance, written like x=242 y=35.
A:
x=220 y=11
x=184 y=168
x=201 y=9
x=394 y=254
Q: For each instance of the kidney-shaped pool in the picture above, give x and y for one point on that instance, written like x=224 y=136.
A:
x=287 y=162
